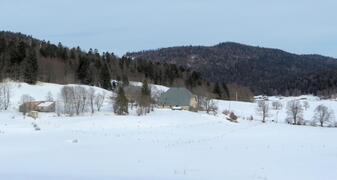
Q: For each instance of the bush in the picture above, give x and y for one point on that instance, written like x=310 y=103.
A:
x=233 y=116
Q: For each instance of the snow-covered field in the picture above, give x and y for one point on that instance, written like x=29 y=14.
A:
x=165 y=145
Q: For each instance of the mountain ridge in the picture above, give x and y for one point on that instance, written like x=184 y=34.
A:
x=226 y=43
x=252 y=66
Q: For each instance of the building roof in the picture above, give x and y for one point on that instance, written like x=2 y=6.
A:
x=46 y=104
x=176 y=97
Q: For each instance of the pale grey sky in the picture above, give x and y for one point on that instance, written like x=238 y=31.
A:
x=299 y=26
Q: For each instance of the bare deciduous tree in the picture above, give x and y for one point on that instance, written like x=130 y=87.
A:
x=306 y=105
x=277 y=105
x=67 y=96
x=58 y=108
x=25 y=98
x=155 y=94
x=80 y=99
x=263 y=109
x=295 y=112
x=75 y=99
x=5 y=94
x=200 y=102
x=202 y=94
x=49 y=96
x=99 y=100
x=323 y=115
x=210 y=106
x=92 y=97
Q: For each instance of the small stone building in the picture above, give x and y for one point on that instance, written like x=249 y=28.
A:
x=29 y=106
x=39 y=106
x=178 y=97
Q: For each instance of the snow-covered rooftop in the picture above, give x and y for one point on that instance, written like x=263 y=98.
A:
x=45 y=104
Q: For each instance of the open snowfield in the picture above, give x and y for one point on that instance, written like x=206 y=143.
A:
x=165 y=145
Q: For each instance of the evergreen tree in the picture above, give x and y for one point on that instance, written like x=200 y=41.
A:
x=17 y=53
x=226 y=91
x=2 y=44
x=73 y=54
x=105 y=78
x=83 y=74
x=217 y=90
x=118 y=78
x=30 y=67
x=193 y=80
x=146 y=93
x=121 y=103
x=125 y=80
x=145 y=99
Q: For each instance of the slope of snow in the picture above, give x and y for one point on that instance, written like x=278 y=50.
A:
x=163 y=145
x=154 y=87
x=247 y=109
x=40 y=91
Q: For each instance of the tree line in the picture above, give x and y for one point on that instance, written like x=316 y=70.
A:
x=24 y=58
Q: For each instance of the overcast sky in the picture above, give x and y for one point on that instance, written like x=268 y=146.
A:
x=299 y=26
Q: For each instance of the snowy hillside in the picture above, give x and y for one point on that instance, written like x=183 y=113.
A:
x=246 y=109
x=40 y=91
x=165 y=144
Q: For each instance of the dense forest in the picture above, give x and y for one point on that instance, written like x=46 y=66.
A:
x=263 y=70
x=24 y=58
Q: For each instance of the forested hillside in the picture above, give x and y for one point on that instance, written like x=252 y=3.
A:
x=264 y=70
x=27 y=59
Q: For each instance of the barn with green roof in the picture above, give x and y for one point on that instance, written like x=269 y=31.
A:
x=178 y=97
